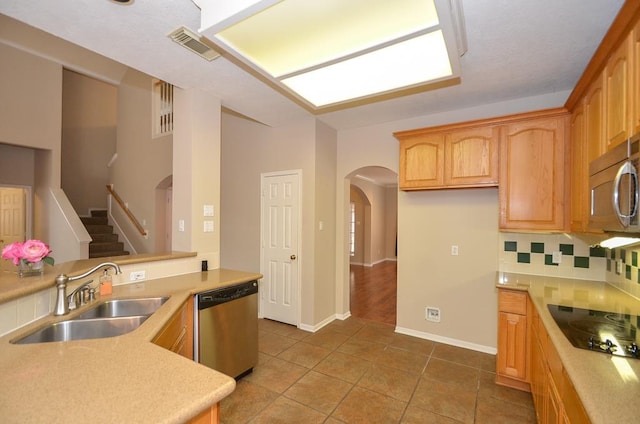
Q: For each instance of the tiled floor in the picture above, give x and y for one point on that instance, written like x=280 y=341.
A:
x=357 y=371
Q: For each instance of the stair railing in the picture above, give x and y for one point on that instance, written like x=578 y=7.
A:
x=126 y=210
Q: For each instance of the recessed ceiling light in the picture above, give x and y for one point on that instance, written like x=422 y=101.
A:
x=331 y=52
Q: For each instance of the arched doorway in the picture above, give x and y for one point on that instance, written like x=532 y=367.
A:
x=372 y=224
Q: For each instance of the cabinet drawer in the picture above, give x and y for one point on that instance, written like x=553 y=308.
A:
x=511 y=301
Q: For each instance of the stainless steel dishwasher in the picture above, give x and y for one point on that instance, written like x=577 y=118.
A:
x=226 y=329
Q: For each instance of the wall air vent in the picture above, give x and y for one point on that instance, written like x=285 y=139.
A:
x=191 y=41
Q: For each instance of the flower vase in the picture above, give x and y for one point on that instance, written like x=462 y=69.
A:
x=29 y=269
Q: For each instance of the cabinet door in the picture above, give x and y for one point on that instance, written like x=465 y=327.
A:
x=538 y=377
x=618 y=94
x=579 y=172
x=553 y=410
x=177 y=334
x=594 y=115
x=471 y=157
x=635 y=69
x=421 y=161
x=512 y=345
x=532 y=174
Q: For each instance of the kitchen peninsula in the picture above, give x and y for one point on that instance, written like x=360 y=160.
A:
x=120 y=379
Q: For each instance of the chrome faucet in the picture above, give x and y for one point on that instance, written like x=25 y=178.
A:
x=63 y=301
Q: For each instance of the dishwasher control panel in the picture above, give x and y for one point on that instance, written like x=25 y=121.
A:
x=226 y=294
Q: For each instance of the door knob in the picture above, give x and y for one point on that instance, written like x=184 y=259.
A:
x=293 y=257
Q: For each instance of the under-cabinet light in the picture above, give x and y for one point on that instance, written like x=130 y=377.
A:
x=613 y=242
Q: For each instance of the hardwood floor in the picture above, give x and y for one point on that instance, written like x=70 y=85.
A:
x=373 y=292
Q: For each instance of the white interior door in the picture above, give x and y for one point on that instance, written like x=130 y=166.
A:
x=279 y=291
x=12 y=219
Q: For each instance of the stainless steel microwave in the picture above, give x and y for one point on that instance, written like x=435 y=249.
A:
x=613 y=183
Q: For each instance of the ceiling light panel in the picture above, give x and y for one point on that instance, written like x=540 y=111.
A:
x=400 y=65
x=294 y=35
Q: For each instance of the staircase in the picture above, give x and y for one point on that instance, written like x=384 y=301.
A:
x=104 y=241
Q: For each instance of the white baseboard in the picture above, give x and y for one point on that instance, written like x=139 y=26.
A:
x=318 y=326
x=447 y=340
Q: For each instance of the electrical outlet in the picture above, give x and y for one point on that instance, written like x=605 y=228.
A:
x=556 y=257
x=137 y=275
x=454 y=250
x=619 y=266
x=432 y=314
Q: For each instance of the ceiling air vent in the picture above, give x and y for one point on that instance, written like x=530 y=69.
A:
x=191 y=41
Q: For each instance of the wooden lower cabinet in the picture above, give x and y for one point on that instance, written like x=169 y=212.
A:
x=511 y=360
x=554 y=395
x=177 y=334
x=208 y=416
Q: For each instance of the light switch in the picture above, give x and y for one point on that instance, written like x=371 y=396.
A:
x=181 y=225
x=207 y=210
x=208 y=226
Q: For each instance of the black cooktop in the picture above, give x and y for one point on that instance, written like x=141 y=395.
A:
x=600 y=331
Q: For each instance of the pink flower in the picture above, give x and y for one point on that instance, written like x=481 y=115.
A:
x=13 y=252
x=34 y=250
x=29 y=251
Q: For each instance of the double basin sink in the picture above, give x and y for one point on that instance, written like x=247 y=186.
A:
x=107 y=319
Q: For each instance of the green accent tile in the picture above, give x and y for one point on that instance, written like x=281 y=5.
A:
x=638 y=280
x=537 y=247
x=609 y=265
x=548 y=260
x=597 y=252
x=623 y=256
x=634 y=258
x=510 y=246
x=627 y=272
x=566 y=249
x=524 y=258
x=613 y=253
x=581 y=262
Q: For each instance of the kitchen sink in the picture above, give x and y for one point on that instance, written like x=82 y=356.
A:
x=123 y=308
x=82 y=329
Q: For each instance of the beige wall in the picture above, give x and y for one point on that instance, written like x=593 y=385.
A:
x=196 y=173
x=89 y=121
x=391 y=221
x=143 y=162
x=249 y=149
x=16 y=165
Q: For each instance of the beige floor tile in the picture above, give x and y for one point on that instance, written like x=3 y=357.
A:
x=362 y=349
x=287 y=411
x=245 y=402
x=343 y=366
x=327 y=339
x=463 y=376
x=349 y=326
x=277 y=375
x=390 y=382
x=463 y=356
x=269 y=325
x=415 y=415
x=319 y=391
x=273 y=344
x=449 y=400
x=403 y=360
x=291 y=332
x=305 y=354
x=375 y=333
x=412 y=344
x=365 y=406
x=488 y=388
x=495 y=411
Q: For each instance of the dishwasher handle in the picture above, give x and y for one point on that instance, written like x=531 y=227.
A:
x=227 y=294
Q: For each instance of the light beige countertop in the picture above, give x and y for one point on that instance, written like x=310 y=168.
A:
x=124 y=379
x=608 y=385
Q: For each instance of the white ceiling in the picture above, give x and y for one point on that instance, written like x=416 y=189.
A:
x=516 y=48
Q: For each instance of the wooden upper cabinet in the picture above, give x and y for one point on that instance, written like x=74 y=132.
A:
x=472 y=157
x=579 y=172
x=635 y=69
x=594 y=116
x=532 y=173
x=421 y=161
x=447 y=158
x=618 y=94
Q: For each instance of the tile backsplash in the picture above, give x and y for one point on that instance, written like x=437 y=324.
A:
x=534 y=254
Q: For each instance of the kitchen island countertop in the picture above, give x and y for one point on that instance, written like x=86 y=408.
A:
x=119 y=379
x=607 y=385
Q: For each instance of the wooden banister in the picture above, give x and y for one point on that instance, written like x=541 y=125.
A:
x=126 y=210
